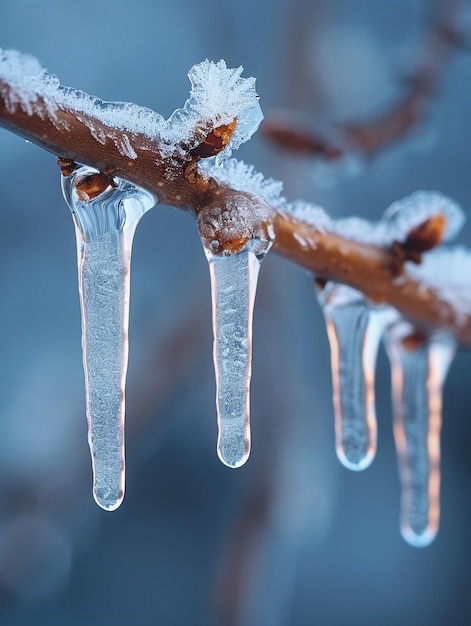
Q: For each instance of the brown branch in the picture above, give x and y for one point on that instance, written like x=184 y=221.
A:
x=371 y=136
x=370 y=269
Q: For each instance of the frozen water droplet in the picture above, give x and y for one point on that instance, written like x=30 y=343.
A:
x=233 y=287
x=418 y=370
x=104 y=225
x=354 y=330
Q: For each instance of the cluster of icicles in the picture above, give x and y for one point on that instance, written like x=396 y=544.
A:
x=105 y=227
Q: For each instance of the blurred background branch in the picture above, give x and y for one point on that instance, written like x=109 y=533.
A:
x=419 y=85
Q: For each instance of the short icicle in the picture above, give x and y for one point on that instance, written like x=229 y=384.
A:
x=419 y=366
x=105 y=212
x=354 y=329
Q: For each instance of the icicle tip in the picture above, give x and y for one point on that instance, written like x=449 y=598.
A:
x=229 y=459
x=419 y=540
x=356 y=464
x=108 y=501
x=233 y=448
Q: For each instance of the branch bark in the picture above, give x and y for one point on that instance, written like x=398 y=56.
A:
x=370 y=269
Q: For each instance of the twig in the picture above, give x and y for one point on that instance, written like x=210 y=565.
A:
x=371 y=269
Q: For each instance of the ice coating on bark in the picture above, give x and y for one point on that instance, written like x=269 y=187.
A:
x=233 y=286
x=418 y=375
x=104 y=229
x=354 y=329
x=218 y=96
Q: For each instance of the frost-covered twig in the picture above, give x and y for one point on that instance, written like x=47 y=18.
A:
x=174 y=160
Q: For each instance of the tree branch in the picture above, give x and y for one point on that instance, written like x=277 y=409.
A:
x=175 y=180
x=370 y=137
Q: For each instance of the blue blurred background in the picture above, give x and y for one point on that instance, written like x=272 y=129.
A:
x=292 y=538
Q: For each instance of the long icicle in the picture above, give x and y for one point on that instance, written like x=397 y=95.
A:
x=418 y=366
x=354 y=329
x=105 y=213
x=233 y=286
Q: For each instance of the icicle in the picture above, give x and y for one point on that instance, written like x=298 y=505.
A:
x=233 y=286
x=354 y=330
x=419 y=367
x=105 y=214
x=236 y=234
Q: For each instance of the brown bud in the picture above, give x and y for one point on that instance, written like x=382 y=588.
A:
x=422 y=238
x=223 y=231
x=228 y=223
x=92 y=186
x=215 y=141
x=427 y=235
x=66 y=166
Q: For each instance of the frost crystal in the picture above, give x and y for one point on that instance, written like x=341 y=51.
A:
x=363 y=231
x=309 y=213
x=408 y=213
x=30 y=82
x=105 y=228
x=24 y=74
x=398 y=221
x=242 y=177
x=401 y=218
x=418 y=373
x=447 y=271
x=36 y=91
x=217 y=96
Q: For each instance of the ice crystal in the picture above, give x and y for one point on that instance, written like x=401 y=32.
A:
x=398 y=221
x=36 y=91
x=447 y=271
x=309 y=213
x=218 y=96
x=24 y=75
x=242 y=177
x=406 y=214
